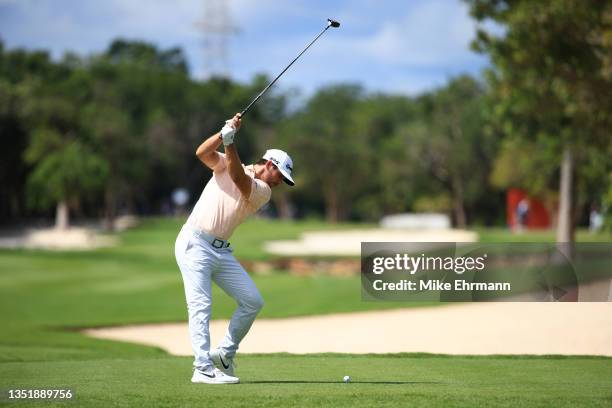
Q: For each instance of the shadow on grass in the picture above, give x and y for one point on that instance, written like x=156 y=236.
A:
x=338 y=382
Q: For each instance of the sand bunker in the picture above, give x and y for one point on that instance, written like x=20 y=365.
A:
x=348 y=243
x=466 y=328
x=74 y=238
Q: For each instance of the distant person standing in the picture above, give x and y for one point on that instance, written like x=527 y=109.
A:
x=596 y=219
x=204 y=254
x=180 y=198
x=522 y=210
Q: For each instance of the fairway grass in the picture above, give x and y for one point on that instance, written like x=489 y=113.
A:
x=157 y=235
x=282 y=380
x=46 y=297
x=504 y=235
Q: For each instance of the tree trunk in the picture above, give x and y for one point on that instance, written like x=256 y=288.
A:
x=283 y=206
x=61 y=215
x=109 y=210
x=332 y=205
x=458 y=208
x=565 y=224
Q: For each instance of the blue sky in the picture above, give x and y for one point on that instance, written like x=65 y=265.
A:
x=400 y=47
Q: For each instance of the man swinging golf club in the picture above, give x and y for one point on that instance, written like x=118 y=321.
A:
x=204 y=254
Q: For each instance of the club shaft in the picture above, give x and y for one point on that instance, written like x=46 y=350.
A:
x=283 y=71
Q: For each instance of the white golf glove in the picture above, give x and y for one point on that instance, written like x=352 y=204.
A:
x=227 y=133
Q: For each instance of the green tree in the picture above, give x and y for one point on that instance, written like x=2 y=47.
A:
x=334 y=161
x=64 y=172
x=132 y=111
x=551 y=79
x=13 y=141
x=140 y=52
x=65 y=168
x=392 y=181
x=458 y=140
x=138 y=113
x=20 y=73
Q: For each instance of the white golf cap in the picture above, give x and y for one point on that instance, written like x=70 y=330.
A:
x=283 y=162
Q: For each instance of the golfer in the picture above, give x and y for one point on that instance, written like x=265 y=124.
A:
x=204 y=254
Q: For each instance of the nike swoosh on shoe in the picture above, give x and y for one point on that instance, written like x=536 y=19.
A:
x=223 y=362
x=212 y=375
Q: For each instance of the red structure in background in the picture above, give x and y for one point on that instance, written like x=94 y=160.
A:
x=538 y=216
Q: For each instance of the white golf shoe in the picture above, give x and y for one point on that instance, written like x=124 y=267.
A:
x=213 y=376
x=222 y=363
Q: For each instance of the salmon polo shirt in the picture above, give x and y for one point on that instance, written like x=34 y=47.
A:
x=221 y=207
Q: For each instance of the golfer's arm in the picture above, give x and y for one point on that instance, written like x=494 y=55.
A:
x=207 y=151
x=236 y=171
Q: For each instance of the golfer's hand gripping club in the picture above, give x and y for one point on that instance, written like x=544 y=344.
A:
x=229 y=130
x=330 y=23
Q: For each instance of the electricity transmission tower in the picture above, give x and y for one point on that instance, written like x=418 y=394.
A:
x=216 y=28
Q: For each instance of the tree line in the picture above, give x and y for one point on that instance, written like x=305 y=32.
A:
x=117 y=131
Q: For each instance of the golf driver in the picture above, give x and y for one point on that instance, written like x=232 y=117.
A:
x=330 y=23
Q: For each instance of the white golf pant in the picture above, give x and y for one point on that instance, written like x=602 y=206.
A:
x=200 y=264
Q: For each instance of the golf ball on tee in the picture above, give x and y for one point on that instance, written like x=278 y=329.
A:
x=346 y=379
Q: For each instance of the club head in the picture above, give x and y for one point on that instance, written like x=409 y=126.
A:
x=333 y=23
